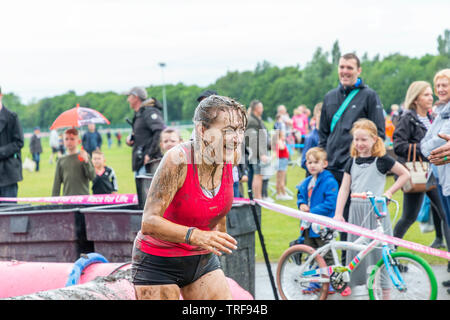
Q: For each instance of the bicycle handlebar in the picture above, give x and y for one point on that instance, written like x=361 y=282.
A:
x=363 y=195
x=373 y=200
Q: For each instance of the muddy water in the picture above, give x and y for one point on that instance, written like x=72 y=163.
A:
x=116 y=286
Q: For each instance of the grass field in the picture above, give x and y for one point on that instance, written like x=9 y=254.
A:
x=278 y=229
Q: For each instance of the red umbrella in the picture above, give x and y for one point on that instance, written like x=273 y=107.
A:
x=77 y=117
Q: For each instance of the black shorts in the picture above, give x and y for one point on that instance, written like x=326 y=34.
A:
x=147 y=269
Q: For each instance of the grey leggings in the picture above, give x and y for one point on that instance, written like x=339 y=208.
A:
x=412 y=202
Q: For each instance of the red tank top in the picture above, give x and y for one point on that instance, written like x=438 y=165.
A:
x=284 y=153
x=190 y=207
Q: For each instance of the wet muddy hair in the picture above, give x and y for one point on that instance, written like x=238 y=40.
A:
x=208 y=110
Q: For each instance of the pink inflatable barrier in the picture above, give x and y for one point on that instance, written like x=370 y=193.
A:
x=98 y=281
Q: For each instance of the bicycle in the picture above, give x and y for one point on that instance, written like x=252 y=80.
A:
x=397 y=276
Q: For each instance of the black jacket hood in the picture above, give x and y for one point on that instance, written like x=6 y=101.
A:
x=152 y=102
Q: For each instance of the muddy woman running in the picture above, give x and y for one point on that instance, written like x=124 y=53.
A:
x=183 y=225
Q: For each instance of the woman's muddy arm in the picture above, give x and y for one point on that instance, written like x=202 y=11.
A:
x=167 y=181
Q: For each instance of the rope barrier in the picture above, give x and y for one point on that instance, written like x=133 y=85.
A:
x=82 y=199
x=325 y=221
x=347 y=227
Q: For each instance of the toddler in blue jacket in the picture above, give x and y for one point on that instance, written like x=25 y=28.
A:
x=317 y=194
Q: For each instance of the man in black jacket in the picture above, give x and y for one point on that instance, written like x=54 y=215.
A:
x=147 y=126
x=11 y=143
x=365 y=104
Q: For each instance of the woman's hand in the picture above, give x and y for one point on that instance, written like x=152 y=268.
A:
x=441 y=155
x=213 y=241
x=339 y=218
x=244 y=179
x=388 y=194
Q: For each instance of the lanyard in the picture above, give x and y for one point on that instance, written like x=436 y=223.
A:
x=342 y=108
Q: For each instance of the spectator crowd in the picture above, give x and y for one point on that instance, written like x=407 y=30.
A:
x=346 y=143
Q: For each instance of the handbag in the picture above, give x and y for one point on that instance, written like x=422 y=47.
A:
x=29 y=164
x=418 y=171
x=425 y=218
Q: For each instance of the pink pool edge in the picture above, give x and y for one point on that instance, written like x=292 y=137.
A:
x=21 y=278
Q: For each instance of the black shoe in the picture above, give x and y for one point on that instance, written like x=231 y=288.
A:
x=446 y=283
x=437 y=243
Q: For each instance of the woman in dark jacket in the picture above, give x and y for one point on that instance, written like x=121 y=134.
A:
x=411 y=128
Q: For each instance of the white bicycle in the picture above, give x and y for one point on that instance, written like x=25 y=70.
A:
x=397 y=276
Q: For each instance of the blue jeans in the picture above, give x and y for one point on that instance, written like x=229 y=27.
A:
x=141 y=171
x=36 y=159
x=9 y=191
x=445 y=200
x=236 y=192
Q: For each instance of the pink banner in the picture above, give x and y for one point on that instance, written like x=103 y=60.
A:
x=84 y=199
x=347 y=227
x=105 y=199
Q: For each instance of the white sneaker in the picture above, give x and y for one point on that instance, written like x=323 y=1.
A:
x=268 y=199
x=283 y=197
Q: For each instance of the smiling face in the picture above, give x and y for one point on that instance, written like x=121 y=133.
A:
x=442 y=89
x=224 y=137
x=348 y=72
x=363 y=142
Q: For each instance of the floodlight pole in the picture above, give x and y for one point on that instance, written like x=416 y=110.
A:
x=166 y=119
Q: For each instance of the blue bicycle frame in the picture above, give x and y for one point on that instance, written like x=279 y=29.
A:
x=391 y=268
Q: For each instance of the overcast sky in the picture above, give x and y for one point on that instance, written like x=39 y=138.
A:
x=49 y=47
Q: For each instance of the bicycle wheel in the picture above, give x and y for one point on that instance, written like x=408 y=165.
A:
x=417 y=275
x=291 y=285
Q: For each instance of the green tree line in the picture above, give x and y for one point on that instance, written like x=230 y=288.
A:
x=291 y=86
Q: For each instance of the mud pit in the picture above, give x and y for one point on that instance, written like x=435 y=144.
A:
x=116 y=286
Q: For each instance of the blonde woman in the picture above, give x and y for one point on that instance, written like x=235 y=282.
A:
x=411 y=128
x=441 y=155
x=436 y=143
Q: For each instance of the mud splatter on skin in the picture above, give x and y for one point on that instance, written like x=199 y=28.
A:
x=217 y=112
x=171 y=173
x=211 y=286
x=169 y=292
x=168 y=179
x=213 y=155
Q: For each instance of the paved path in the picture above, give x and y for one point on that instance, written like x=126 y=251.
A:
x=264 y=291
